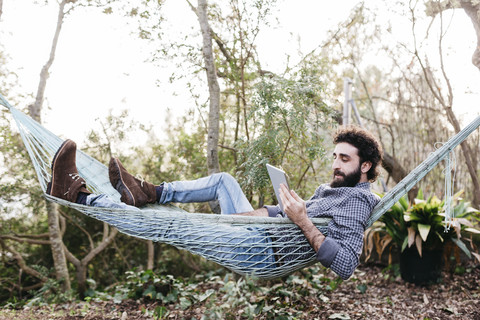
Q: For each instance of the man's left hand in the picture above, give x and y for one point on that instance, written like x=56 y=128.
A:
x=293 y=205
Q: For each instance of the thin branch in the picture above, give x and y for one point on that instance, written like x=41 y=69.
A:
x=23 y=240
x=22 y=264
x=442 y=66
x=227 y=148
x=89 y=237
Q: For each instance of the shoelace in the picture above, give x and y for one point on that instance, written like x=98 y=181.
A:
x=139 y=177
x=75 y=176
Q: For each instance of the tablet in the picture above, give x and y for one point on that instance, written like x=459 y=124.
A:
x=277 y=176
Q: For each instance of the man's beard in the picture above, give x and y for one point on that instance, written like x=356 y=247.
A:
x=349 y=180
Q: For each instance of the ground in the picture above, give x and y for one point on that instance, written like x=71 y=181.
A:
x=372 y=294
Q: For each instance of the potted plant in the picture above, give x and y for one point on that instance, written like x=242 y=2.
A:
x=419 y=233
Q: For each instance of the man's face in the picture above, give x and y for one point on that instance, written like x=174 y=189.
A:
x=346 y=166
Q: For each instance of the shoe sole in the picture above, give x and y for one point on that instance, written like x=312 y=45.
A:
x=129 y=194
x=50 y=184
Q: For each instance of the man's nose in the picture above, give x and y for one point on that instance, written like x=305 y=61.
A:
x=335 y=164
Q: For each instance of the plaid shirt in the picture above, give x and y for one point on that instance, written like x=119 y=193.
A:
x=349 y=209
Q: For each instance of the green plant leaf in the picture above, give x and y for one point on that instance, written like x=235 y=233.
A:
x=462 y=246
x=404 y=245
x=185 y=303
x=404 y=202
x=420 y=195
x=424 y=229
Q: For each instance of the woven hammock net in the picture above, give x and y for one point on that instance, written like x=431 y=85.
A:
x=262 y=247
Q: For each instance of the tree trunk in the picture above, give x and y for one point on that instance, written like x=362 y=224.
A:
x=44 y=74
x=81 y=265
x=214 y=94
x=213 y=88
x=397 y=172
x=81 y=279
x=151 y=255
x=473 y=11
x=59 y=260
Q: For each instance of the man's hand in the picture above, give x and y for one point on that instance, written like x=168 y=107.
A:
x=293 y=205
x=296 y=210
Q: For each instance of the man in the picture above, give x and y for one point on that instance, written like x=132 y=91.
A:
x=347 y=200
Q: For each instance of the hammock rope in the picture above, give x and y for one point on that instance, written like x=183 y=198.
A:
x=262 y=247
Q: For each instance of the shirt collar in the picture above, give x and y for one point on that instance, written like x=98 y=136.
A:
x=363 y=185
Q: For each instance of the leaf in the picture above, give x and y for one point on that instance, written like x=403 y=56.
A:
x=411 y=236
x=160 y=312
x=418 y=243
x=465 y=222
x=259 y=307
x=424 y=229
x=150 y=292
x=341 y=316
x=404 y=244
x=472 y=230
x=476 y=255
x=362 y=288
x=403 y=202
x=185 y=303
x=462 y=246
x=419 y=195
x=205 y=295
x=448 y=310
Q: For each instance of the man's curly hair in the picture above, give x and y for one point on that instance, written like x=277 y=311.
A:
x=369 y=149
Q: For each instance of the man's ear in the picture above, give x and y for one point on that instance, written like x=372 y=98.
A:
x=366 y=165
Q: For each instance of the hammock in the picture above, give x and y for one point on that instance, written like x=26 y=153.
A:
x=252 y=252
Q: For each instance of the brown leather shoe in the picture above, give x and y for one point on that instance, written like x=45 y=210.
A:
x=133 y=191
x=66 y=183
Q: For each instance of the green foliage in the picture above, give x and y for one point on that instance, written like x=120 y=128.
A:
x=50 y=293
x=116 y=130
x=425 y=224
x=289 y=116
x=225 y=297
x=422 y=224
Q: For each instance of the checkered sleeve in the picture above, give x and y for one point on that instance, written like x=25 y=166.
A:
x=342 y=247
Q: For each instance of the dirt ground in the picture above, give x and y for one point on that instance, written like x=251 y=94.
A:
x=373 y=294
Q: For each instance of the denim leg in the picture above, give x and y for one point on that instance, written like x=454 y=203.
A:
x=243 y=249
x=104 y=201
x=220 y=186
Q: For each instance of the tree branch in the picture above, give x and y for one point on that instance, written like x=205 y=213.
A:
x=26 y=240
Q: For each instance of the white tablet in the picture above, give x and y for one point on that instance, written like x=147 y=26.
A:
x=277 y=176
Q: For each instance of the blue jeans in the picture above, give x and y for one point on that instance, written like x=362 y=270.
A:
x=224 y=188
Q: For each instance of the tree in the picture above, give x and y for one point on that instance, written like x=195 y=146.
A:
x=56 y=232
x=214 y=95
x=213 y=89
x=35 y=112
x=471 y=8
x=396 y=100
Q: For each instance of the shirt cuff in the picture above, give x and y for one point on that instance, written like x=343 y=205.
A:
x=327 y=251
x=274 y=211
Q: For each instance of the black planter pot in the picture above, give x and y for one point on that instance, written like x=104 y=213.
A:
x=420 y=270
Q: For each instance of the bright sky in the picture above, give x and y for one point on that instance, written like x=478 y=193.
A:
x=100 y=65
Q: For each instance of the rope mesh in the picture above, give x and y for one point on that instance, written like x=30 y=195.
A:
x=258 y=246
